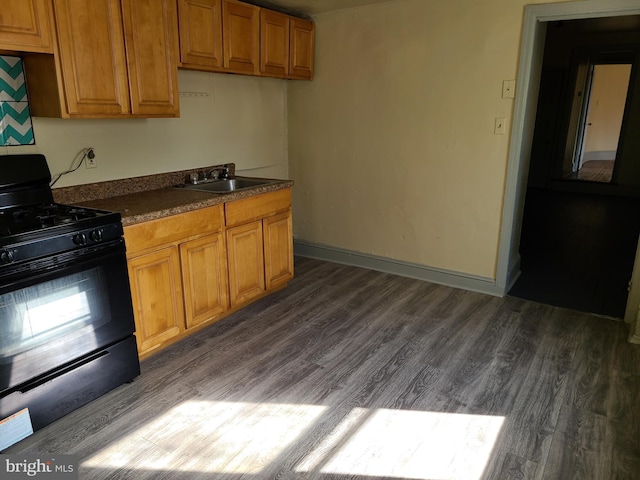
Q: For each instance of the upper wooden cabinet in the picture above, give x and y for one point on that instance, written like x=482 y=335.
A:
x=240 y=37
x=115 y=58
x=232 y=36
x=25 y=26
x=151 y=39
x=92 y=58
x=219 y=36
x=302 y=46
x=274 y=43
x=200 y=30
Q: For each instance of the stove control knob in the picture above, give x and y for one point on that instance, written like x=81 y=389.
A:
x=80 y=239
x=96 y=235
x=6 y=257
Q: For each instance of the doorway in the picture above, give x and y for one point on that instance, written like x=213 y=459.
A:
x=535 y=23
x=578 y=245
x=599 y=100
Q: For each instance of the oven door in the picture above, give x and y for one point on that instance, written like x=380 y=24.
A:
x=67 y=307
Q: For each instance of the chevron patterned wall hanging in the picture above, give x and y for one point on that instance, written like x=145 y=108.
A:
x=15 y=119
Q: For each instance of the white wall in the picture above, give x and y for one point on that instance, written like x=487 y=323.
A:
x=392 y=145
x=242 y=120
x=606 y=107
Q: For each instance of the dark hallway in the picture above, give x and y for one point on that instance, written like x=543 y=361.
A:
x=580 y=229
x=578 y=250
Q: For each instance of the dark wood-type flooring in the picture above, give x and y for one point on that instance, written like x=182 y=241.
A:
x=594 y=171
x=578 y=250
x=354 y=374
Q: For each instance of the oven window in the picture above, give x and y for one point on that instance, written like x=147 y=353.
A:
x=71 y=307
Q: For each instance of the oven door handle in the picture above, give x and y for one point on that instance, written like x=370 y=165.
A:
x=36 y=269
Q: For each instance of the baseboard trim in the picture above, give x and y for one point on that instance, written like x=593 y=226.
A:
x=599 y=155
x=398 y=267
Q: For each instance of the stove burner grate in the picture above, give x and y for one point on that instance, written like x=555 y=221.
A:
x=39 y=217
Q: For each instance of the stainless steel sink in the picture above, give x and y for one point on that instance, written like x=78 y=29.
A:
x=227 y=185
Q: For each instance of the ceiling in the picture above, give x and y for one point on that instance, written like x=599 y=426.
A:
x=314 y=7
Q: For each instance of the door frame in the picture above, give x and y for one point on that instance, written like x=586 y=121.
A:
x=536 y=18
x=583 y=126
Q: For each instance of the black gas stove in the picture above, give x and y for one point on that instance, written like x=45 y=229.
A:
x=35 y=218
x=66 y=317
x=32 y=225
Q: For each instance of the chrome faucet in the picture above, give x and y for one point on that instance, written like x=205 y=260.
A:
x=212 y=174
x=225 y=172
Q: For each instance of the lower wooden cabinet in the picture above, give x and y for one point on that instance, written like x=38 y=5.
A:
x=246 y=262
x=278 y=249
x=156 y=293
x=260 y=245
x=178 y=288
x=260 y=257
x=178 y=275
x=187 y=271
x=204 y=279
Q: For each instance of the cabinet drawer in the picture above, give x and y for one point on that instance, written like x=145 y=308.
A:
x=175 y=228
x=257 y=207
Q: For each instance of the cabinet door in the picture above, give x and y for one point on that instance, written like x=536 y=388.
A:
x=241 y=37
x=204 y=278
x=301 y=49
x=156 y=293
x=201 y=33
x=274 y=43
x=24 y=26
x=246 y=262
x=92 y=57
x=278 y=249
x=150 y=32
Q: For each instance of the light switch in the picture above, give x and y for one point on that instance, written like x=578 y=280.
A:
x=500 y=127
x=509 y=89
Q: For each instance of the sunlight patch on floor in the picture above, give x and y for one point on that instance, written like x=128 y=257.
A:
x=244 y=438
x=221 y=437
x=407 y=444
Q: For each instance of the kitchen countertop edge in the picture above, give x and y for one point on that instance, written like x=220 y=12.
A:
x=150 y=205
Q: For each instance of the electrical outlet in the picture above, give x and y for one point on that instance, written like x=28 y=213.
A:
x=509 y=89
x=500 y=126
x=90 y=160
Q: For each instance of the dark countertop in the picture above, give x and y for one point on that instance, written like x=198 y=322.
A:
x=152 y=204
x=140 y=199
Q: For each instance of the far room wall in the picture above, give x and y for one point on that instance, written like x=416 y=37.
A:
x=392 y=146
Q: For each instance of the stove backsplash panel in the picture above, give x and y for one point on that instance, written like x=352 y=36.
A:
x=16 y=127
